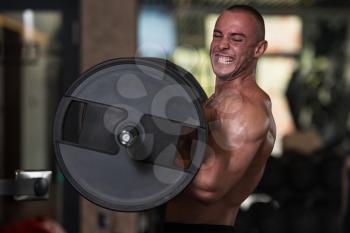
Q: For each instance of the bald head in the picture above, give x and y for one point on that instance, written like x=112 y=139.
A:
x=253 y=12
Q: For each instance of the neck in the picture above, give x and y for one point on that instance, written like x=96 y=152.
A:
x=235 y=81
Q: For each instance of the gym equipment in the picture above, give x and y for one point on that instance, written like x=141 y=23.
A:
x=130 y=133
x=27 y=185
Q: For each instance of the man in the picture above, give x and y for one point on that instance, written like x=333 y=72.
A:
x=242 y=129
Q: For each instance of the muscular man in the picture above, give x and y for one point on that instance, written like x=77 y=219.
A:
x=242 y=129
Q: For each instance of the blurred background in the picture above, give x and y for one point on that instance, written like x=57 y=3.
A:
x=45 y=45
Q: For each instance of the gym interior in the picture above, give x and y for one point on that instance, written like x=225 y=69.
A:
x=46 y=45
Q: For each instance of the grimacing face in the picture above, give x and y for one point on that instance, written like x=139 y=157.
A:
x=235 y=47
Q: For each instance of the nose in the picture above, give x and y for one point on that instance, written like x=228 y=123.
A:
x=224 y=44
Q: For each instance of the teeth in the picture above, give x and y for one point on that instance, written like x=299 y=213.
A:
x=225 y=60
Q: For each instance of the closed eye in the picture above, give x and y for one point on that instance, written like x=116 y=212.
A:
x=237 y=38
x=217 y=34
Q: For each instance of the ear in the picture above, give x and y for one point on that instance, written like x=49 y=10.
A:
x=260 y=48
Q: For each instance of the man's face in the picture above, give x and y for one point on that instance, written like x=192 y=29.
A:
x=234 y=44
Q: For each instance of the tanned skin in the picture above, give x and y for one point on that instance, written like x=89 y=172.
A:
x=242 y=130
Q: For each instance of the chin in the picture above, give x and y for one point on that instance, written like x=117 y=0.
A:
x=221 y=70
x=223 y=75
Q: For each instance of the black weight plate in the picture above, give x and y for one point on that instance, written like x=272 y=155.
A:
x=158 y=100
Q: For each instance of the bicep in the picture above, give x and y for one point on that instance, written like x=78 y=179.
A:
x=236 y=136
x=243 y=142
x=243 y=158
x=224 y=171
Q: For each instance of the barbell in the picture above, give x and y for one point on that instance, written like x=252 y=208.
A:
x=130 y=133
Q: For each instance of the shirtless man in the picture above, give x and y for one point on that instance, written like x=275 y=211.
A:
x=242 y=129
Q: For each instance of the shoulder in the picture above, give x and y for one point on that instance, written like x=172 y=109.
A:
x=258 y=113
x=244 y=115
x=239 y=104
